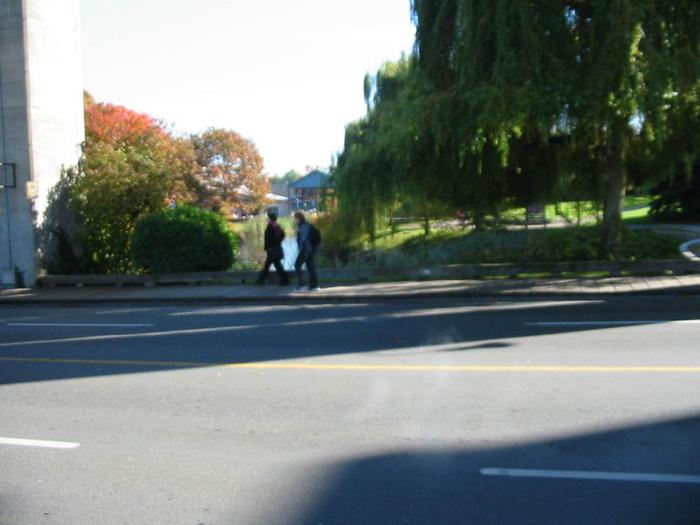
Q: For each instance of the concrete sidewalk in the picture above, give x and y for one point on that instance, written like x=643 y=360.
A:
x=672 y=285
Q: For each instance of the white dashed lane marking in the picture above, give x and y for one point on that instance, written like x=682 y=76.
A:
x=17 y=442
x=591 y=475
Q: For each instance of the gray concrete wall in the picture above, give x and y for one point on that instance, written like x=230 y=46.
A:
x=41 y=116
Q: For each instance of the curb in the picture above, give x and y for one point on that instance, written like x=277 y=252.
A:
x=476 y=294
x=686 y=251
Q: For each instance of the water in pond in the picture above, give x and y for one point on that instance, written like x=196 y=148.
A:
x=291 y=250
x=251 y=249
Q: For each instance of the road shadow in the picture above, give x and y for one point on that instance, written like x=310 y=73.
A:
x=209 y=336
x=446 y=487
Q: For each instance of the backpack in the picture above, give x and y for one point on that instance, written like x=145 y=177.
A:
x=315 y=237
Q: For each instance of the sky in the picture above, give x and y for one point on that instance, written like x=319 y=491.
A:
x=287 y=74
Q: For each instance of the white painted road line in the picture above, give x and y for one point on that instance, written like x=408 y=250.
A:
x=591 y=475
x=84 y=325
x=611 y=323
x=37 y=443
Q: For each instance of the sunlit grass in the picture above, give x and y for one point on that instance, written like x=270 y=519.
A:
x=639 y=215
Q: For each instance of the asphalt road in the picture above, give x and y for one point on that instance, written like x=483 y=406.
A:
x=453 y=412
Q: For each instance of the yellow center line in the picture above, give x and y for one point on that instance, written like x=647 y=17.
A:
x=363 y=368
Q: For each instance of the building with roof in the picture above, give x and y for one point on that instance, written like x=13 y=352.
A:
x=272 y=202
x=278 y=204
x=308 y=192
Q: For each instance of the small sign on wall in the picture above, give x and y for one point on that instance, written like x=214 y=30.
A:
x=32 y=190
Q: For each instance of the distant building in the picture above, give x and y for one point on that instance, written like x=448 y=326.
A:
x=278 y=204
x=272 y=202
x=308 y=192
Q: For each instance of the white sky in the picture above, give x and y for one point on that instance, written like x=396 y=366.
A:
x=287 y=74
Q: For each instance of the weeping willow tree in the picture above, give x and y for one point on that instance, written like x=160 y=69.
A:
x=597 y=72
x=496 y=95
x=671 y=110
x=676 y=160
x=398 y=96
x=363 y=180
x=380 y=168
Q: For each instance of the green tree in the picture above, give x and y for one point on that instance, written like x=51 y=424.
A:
x=290 y=176
x=381 y=169
x=677 y=160
x=188 y=184
x=231 y=171
x=504 y=71
x=130 y=167
x=127 y=171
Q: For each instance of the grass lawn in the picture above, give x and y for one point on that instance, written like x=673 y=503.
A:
x=637 y=201
x=410 y=248
x=634 y=208
x=387 y=240
x=570 y=210
x=637 y=216
x=636 y=211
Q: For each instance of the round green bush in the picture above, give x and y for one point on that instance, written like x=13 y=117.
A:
x=184 y=239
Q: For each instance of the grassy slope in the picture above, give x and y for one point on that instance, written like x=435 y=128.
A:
x=410 y=247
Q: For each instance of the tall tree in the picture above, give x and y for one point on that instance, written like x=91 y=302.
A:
x=368 y=175
x=187 y=186
x=127 y=171
x=231 y=171
x=130 y=166
x=589 y=69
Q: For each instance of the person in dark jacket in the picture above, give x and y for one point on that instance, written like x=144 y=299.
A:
x=274 y=235
x=307 y=252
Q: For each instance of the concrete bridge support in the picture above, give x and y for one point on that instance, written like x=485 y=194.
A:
x=41 y=120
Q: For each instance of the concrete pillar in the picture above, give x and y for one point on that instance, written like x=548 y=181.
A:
x=41 y=119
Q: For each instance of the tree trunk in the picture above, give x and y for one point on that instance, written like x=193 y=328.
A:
x=479 y=220
x=372 y=230
x=393 y=225
x=426 y=217
x=615 y=191
x=578 y=213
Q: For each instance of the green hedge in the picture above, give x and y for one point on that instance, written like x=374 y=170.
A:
x=184 y=239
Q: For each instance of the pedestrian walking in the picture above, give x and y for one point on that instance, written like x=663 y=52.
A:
x=308 y=240
x=274 y=235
